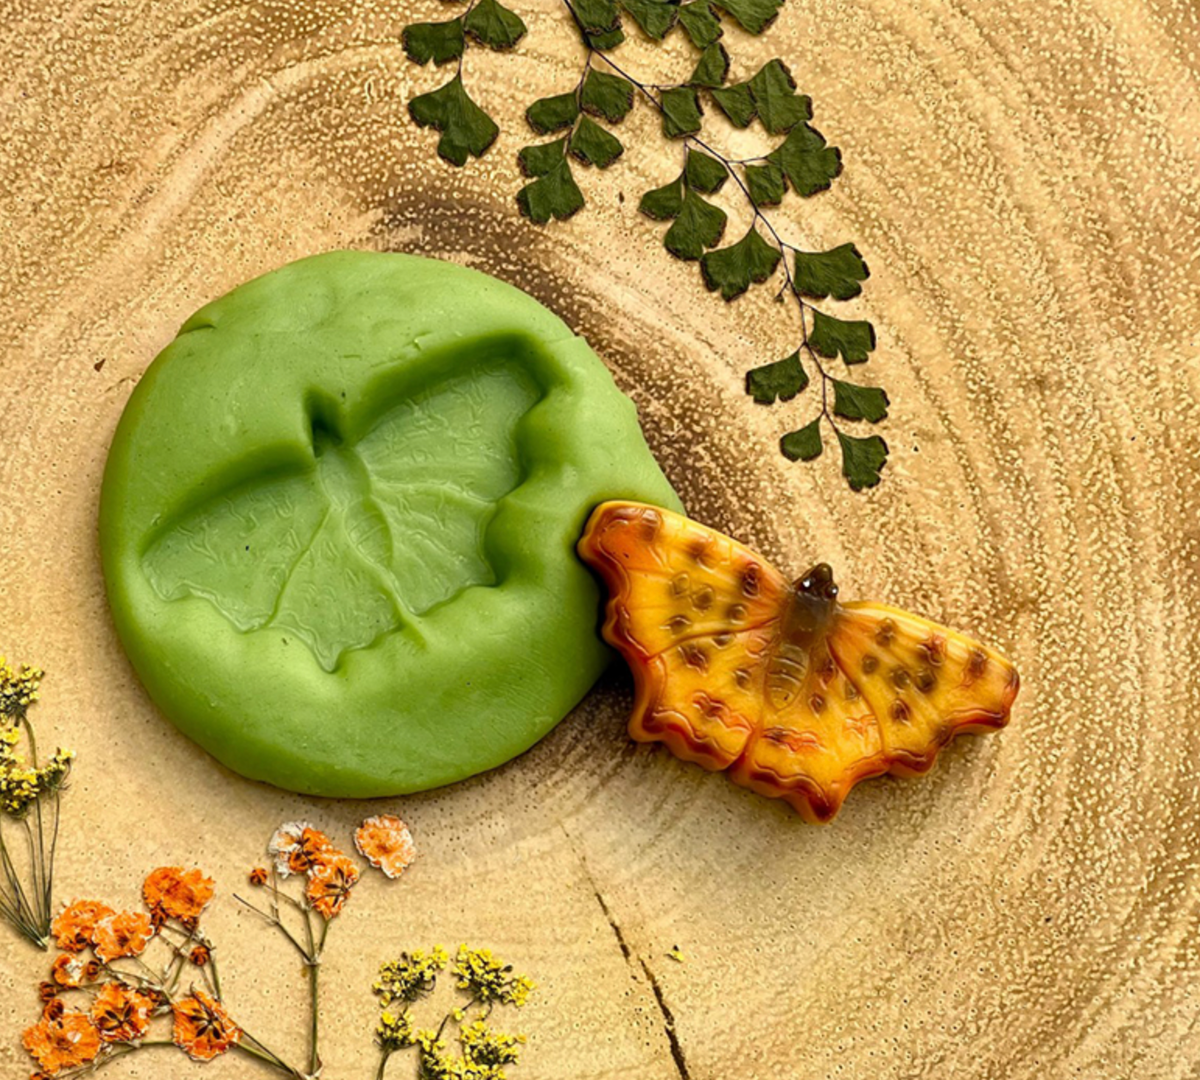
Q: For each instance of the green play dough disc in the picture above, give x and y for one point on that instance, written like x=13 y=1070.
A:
x=338 y=523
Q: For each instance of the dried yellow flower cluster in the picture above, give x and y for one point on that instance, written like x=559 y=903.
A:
x=488 y=979
x=485 y=1047
x=411 y=977
x=395 y=1032
x=483 y=1052
x=18 y=788
x=26 y=890
x=18 y=689
x=22 y=783
x=21 y=786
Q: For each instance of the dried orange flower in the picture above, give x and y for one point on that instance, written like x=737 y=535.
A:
x=200 y=955
x=385 y=842
x=329 y=885
x=124 y=934
x=203 y=1028
x=70 y=971
x=258 y=876
x=298 y=848
x=48 y=991
x=178 y=895
x=63 y=1042
x=121 y=1015
x=75 y=925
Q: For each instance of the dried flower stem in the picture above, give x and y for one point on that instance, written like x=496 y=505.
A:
x=112 y=1055
x=310 y=953
x=255 y=1048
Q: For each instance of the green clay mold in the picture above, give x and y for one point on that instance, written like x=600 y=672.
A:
x=338 y=523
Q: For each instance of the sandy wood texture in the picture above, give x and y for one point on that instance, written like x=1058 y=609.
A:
x=1024 y=180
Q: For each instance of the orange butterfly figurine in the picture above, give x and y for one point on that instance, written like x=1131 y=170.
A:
x=800 y=696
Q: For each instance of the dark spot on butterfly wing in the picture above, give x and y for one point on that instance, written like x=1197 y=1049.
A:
x=680 y=584
x=885 y=634
x=870 y=664
x=648 y=525
x=697 y=551
x=976 y=665
x=934 y=650
x=702 y=599
x=709 y=707
x=694 y=656
x=900 y=711
x=751 y=581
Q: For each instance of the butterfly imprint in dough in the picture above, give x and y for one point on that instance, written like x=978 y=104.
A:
x=363 y=534
x=797 y=695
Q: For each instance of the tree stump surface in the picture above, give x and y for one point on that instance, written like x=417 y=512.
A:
x=1024 y=181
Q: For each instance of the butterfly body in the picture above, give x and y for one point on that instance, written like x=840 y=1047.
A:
x=798 y=695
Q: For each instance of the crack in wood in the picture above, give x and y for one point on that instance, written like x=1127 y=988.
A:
x=667 y=1016
x=625 y=950
x=668 y=1023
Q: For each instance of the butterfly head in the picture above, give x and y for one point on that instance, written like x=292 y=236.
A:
x=813 y=604
x=818 y=583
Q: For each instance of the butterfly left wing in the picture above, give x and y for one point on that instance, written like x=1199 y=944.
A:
x=702 y=697
x=670 y=578
x=695 y=615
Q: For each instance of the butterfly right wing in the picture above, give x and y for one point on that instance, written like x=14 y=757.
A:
x=695 y=615
x=925 y=683
x=883 y=691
